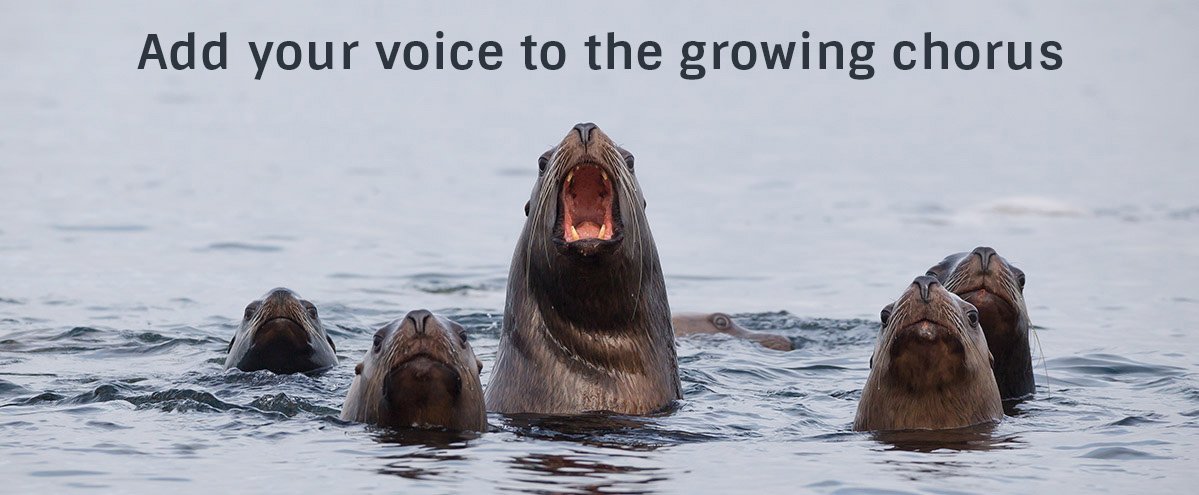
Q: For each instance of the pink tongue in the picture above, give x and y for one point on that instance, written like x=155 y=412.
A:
x=588 y=230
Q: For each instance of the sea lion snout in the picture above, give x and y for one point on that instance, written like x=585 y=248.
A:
x=420 y=382
x=584 y=129
x=279 y=293
x=415 y=321
x=281 y=332
x=924 y=283
x=984 y=255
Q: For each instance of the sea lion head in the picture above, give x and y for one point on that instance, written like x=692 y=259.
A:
x=282 y=333
x=931 y=368
x=712 y=323
x=586 y=318
x=996 y=288
x=420 y=371
x=586 y=223
x=930 y=338
x=585 y=194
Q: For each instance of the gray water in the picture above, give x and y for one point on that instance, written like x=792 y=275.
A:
x=141 y=210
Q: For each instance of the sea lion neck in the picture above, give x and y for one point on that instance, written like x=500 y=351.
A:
x=598 y=296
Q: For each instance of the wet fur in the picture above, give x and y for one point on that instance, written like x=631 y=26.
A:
x=460 y=408
x=319 y=354
x=938 y=395
x=714 y=323
x=1003 y=313
x=585 y=333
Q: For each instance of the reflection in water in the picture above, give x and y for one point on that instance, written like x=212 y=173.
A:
x=603 y=430
x=979 y=438
x=425 y=453
x=580 y=472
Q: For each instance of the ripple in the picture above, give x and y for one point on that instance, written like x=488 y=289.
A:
x=288 y=406
x=37 y=399
x=242 y=246
x=1099 y=369
x=103 y=393
x=8 y=388
x=1119 y=453
x=58 y=473
x=101 y=228
x=182 y=400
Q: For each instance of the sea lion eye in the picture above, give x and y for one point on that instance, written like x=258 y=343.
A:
x=628 y=161
x=542 y=162
x=378 y=344
x=462 y=338
x=885 y=316
x=721 y=321
x=1020 y=280
x=250 y=310
x=973 y=317
x=311 y=310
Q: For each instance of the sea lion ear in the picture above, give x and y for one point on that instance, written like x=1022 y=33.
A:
x=991 y=358
x=872 y=361
x=480 y=364
x=230 y=348
x=358 y=369
x=527 y=207
x=331 y=344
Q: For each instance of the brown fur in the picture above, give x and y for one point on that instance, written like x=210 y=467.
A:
x=586 y=324
x=420 y=372
x=281 y=333
x=997 y=290
x=931 y=368
x=713 y=323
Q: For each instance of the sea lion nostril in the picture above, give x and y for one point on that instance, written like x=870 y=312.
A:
x=925 y=282
x=419 y=320
x=984 y=254
x=584 y=129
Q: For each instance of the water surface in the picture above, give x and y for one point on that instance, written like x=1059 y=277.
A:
x=140 y=212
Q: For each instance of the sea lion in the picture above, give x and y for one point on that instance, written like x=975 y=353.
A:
x=930 y=368
x=281 y=333
x=586 y=321
x=985 y=279
x=419 y=372
x=710 y=323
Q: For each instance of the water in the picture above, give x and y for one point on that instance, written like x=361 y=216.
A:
x=142 y=210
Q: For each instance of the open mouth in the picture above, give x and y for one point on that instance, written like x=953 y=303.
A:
x=588 y=205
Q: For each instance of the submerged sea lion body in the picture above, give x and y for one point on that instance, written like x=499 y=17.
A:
x=985 y=279
x=283 y=334
x=930 y=368
x=713 y=323
x=586 y=321
x=419 y=372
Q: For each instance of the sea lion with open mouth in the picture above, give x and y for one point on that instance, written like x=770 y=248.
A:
x=931 y=368
x=712 y=323
x=586 y=321
x=419 y=372
x=985 y=279
x=283 y=334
